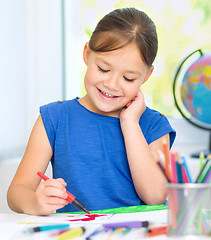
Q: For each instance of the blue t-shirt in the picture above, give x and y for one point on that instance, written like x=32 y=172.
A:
x=89 y=153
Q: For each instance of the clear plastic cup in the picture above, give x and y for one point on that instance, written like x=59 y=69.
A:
x=189 y=209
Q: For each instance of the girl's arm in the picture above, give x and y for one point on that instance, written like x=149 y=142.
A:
x=148 y=179
x=26 y=194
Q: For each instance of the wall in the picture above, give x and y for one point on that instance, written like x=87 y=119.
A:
x=7 y=172
x=30 y=75
x=31 y=67
x=189 y=139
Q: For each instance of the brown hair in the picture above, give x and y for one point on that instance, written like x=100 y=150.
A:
x=123 y=26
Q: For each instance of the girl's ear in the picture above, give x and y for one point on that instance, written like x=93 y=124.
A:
x=86 y=52
x=148 y=74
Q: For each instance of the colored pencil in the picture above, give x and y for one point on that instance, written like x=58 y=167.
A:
x=163 y=171
x=201 y=158
x=186 y=168
x=173 y=167
x=166 y=154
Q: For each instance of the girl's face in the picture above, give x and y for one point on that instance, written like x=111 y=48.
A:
x=113 y=79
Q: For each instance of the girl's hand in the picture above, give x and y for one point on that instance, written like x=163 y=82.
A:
x=134 y=109
x=51 y=195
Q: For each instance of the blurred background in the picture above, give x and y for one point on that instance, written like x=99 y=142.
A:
x=41 y=61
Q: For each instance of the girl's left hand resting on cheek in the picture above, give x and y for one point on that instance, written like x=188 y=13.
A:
x=134 y=109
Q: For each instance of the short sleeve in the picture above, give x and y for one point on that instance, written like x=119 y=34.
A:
x=161 y=127
x=155 y=125
x=50 y=118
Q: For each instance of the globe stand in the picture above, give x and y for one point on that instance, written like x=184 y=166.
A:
x=206 y=152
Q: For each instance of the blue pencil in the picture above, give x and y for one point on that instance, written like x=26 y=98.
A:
x=96 y=232
x=179 y=172
x=47 y=228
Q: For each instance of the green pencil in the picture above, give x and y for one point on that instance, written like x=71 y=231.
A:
x=205 y=175
x=201 y=158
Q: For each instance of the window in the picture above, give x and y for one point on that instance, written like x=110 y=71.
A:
x=182 y=27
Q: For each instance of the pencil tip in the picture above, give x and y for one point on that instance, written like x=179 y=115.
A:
x=201 y=154
x=85 y=210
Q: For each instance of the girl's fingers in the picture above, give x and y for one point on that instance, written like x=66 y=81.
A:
x=56 y=192
x=57 y=201
x=130 y=102
x=52 y=195
x=51 y=208
x=57 y=183
x=62 y=181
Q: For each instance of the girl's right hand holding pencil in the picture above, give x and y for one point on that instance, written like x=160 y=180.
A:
x=51 y=195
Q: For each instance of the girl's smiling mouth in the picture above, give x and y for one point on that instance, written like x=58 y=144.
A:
x=106 y=95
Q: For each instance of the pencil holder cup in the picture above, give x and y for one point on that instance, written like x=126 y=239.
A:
x=189 y=210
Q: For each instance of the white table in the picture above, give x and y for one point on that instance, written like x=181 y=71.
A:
x=10 y=228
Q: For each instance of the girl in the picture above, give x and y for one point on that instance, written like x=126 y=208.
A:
x=101 y=146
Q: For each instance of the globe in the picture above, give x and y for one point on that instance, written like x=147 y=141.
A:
x=192 y=90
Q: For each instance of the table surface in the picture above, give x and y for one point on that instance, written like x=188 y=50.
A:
x=10 y=225
x=10 y=228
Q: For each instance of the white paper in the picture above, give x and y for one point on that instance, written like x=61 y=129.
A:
x=158 y=217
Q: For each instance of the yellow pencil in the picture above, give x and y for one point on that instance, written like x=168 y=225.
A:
x=75 y=232
x=114 y=232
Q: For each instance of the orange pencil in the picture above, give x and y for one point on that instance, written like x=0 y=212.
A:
x=167 y=157
x=157 y=230
x=173 y=167
x=173 y=201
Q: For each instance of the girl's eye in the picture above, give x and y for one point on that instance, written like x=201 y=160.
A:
x=129 y=79
x=102 y=70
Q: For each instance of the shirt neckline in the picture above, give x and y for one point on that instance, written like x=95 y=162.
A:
x=95 y=114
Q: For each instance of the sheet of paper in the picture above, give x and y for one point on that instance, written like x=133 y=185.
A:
x=153 y=216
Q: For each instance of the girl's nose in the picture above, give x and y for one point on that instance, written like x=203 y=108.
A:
x=112 y=83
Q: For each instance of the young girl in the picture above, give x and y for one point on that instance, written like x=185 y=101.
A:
x=101 y=146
